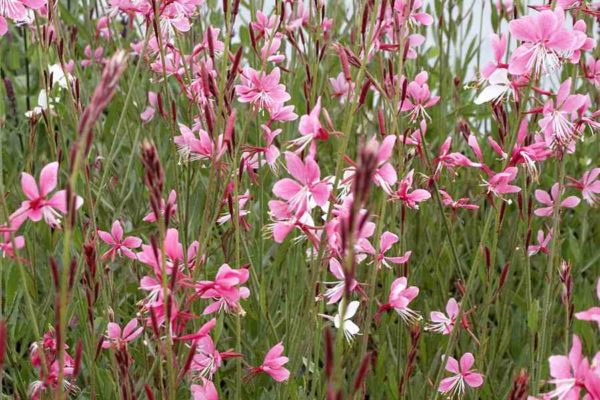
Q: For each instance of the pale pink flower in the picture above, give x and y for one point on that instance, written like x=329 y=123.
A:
x=117 y=338
x=308 y=190
x=410 y=197
x=335 y=293
x=311 y=129
x=557 y=123
x=118 y=244
x=171 y=205
x=273 y=365
x=263 y=23
x=225 y=291
x=581 y=42
x=463 y=376
x=201 y=147
x=442 y=323
x=341 y=88
x=451 y=160
x=543 y=243
x=589 y=184
x=385 y=175
x=149 y=112
x=204 y=391
x=418 y=97
x=592 y=313
x=498 y=44
x=544 y=38
x=6 y=245
x=408 y=10
x=281 y=113
x=261 y=90
x=16 y=10
x=38 y=206
x=593 y=71
x=548 y=199
x=400 y=297
x=568 y=373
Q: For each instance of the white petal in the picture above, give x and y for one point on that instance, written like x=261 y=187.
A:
x=490 y=93
x=351 y=309
x=499 y=77
x=351 y=328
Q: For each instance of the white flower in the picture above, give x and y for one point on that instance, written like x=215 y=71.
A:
x=499 y=85
x=349 y=327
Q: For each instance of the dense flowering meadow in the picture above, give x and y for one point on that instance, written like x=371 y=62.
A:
x=300 y=199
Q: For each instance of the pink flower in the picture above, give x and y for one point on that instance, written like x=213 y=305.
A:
x=153 y=103
x=341 y=88
x=410 y=198
x=385 y=176
x=205 y=391
x=451 y=160
x=308 y=190
x=170 y=205
x=543 y=242
x=226 y=290
x=117 y=338
x=273 y=365
x=400 y=297
x=388 y=239
x=568 y=373
x=548 y=199
x=463 y=375
x=418 y=97
x=8 y=240
x=282 y=113
x=593 y=313
x=593 y=71
x=201 y=147
x=16 y=10
x=262 y=91
x=441 y=323
x=557 y=122
x=544 y=38
x=589 y=184
x=499 y=184
x=408 y=11
x=463 y=202
x=335 y=293
x=38 y=206
x=499 y=44
x=118 y=244
x=311 y=129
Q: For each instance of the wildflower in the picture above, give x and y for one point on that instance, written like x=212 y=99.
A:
x=463 y=202
x=419 y=97
x=170 y=206
x=115 y=337
x=544 y=38
x=557 y=122
x=8 y=240
x=548 y=199
x=273 y=365
x=388 y=239
x=410 y=198
x=205 y=391
x=342 y=88
x=38 y=206
x=207 y=359
x=118 y=244
x=153 y=103
x=311 y=129
x=16 y=10
x=201 y=147
x=308 y=190
x=593 y=313
x=499 y=184
x=400 y=297
x=335 y=293
x=499 y=86
x=543 y=242
x=262 y=91
x=593 y=71
x=444 y=324
x=226 y=290
x=589 y=184
x=568 y=373
x=349 y=327
x=463 y=376
x=499 y=44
